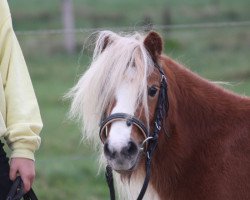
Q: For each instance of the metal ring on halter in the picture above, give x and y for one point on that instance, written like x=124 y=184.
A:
x=145 y=142
x=163 y=77
x=131 y=120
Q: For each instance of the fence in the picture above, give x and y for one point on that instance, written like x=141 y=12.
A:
x=208 y=25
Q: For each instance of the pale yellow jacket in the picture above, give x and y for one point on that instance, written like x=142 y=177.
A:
x=20 y=120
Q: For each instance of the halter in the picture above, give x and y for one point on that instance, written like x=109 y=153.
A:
x=130 y=120
x=151 y=139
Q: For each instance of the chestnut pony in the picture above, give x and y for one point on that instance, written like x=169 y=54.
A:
x=203 y=142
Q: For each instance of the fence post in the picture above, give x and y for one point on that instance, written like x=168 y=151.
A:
x=68 y=26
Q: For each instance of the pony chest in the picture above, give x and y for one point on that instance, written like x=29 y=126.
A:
x=130 y=189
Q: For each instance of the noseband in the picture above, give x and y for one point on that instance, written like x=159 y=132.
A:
x=151 y=139
x=130 y=120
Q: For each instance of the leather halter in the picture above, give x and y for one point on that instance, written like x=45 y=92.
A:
x=130 y=120
x=151 y=139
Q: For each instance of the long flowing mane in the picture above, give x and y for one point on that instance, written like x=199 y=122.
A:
x=114 y=56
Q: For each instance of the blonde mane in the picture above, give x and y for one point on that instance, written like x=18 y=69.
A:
x=114 y=56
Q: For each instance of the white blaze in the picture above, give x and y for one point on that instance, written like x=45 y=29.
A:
x=126 y=98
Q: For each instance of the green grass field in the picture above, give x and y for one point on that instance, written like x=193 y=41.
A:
x=66 y=167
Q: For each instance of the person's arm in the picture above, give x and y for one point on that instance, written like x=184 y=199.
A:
x=22 y=115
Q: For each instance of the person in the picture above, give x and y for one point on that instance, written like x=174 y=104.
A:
x=20 y=120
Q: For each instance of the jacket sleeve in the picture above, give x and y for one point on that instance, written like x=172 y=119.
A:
x=22 y=115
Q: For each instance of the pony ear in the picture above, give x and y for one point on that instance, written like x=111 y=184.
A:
x=153 y=44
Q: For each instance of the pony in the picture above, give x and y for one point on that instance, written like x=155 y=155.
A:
x=203 y=137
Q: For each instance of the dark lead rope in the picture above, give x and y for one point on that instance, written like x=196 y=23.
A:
x=17 y=191
x=110 y=181
x=161 y=111
x=148 y=172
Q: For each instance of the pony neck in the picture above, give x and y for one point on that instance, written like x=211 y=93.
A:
x=200 y=105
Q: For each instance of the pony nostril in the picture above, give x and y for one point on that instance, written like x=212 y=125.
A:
x=130 y=150
x=108 y=152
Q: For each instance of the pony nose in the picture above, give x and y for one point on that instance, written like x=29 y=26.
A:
x=128 y=151
x=111 y=153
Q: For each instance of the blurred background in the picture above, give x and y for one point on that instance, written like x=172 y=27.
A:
x=211 y=37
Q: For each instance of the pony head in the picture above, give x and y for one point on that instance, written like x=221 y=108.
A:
x=123 y=96
x=119 y=92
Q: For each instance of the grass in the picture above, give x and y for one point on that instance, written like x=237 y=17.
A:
x=66 y=168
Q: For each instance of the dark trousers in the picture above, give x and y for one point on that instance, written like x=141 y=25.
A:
x=5 y=182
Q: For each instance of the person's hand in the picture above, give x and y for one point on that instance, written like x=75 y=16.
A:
x=25 y=168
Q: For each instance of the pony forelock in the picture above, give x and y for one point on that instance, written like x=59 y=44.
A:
x=114 y=56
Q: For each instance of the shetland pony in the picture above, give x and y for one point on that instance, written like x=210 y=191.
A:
x=203 y=150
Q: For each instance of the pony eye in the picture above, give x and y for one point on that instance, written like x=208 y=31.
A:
x=152 y=91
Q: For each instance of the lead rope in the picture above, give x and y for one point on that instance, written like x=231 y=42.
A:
x=161 y=110
x=148 y=170
x=110 y=181
x=17 y=191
